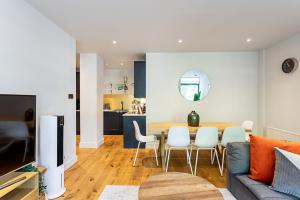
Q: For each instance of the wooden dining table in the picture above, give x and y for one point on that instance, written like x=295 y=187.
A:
x=161 y=130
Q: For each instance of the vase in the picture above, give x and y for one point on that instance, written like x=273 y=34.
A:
x=193 y=119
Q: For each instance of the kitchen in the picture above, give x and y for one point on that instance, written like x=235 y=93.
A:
x=125 y=101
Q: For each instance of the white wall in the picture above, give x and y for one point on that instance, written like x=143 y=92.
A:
x=37 y=57
x=117 y=75
x=282 y=90
x=261 y=92
x=234 y=91
x=91 y=101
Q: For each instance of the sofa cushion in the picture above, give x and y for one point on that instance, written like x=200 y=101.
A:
x=262 y=191
x=287 y=173
x=262 y=156
x=238 y=157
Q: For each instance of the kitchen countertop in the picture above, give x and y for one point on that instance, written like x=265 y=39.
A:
x=133 y=114
x=124 y=111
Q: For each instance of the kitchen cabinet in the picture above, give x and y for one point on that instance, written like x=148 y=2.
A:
x=139 y=79
x=113 y=122
x=129 y=132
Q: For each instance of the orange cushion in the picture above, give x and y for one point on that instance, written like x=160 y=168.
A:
x=262 y=156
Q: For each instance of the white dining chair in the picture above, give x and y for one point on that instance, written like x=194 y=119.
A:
x=178 y=138
x=207 y=138
x=248 y=125
x=144 y=139
x=233 y=134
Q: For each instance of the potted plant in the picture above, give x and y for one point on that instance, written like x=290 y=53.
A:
x=42 y=186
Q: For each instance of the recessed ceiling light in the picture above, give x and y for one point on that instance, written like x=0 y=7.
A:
x=180 y=41
x=121 y=64
x=248 y=40
x=114 y=42
x=106 y=64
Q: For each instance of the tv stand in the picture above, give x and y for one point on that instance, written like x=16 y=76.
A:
x=5 y=185
x=19 y=186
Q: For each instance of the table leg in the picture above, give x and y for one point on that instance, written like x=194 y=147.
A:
x=162 y=149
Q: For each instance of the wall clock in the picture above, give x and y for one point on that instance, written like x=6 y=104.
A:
x=289 y=65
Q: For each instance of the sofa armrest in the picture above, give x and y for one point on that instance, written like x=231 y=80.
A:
x=238 y=158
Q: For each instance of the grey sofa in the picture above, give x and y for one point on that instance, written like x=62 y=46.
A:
x=238 y=183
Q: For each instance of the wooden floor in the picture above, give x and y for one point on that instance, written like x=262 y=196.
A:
x=111 y=164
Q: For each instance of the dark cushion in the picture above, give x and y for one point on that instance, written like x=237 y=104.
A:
x=238 y=161
x=262 y=191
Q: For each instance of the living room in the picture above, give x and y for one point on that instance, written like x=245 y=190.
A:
x=222 y=68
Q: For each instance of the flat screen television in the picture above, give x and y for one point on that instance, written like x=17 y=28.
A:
x=17 y=131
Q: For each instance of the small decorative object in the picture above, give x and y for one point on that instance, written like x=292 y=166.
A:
x=193 y=119
x=120 y=86
x=289 y=65
x=125 y=80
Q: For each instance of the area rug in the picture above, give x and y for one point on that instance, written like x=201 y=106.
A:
x=130 y=192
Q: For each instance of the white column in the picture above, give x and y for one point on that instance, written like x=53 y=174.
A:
x=91 y=100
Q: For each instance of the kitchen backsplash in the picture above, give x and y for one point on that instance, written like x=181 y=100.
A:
x=115 y=101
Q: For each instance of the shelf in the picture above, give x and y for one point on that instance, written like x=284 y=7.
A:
x=22 y=190
x=21 y=194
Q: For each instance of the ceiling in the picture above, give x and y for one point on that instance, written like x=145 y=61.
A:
x=141 y=26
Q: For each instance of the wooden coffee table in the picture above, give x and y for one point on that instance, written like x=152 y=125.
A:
x=178 y=186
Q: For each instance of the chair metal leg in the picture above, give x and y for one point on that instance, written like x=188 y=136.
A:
x=189 y=160
x=155 y=153
x=212 y=156
x=191 y=151
x=223 y=160
x=196 y=162
x=137 y=151
x=216 y=154
x=166 y=155
x=187 y=156
x=168 y=159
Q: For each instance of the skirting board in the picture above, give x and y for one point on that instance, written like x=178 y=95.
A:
x=69 y=163
x=91 y=145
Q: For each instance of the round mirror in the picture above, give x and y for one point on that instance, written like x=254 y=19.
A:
x=194 y=85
